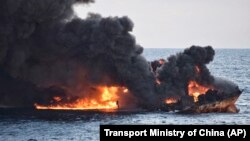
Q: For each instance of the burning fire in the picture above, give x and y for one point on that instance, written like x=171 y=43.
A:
x=107 y=99
x=171 y=101
x=195 y=89
x=125 y=90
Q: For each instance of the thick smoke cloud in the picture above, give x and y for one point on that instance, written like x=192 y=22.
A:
x=46 y=46
x=25 y=26
x=184 y=67
x=47 y=51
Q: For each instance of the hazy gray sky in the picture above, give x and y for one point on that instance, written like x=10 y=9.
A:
x=181 y=23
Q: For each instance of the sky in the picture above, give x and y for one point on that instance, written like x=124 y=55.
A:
x=181 y=23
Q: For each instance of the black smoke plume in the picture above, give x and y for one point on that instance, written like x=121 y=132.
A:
x=47 y=51
x=46 y=48
x=180 y=69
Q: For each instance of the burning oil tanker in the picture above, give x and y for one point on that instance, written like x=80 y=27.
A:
x=51 y=59
x=186 y=84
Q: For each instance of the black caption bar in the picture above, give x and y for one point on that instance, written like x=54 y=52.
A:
x=176 y=132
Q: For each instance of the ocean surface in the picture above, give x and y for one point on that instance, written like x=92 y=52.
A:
x=32 y=125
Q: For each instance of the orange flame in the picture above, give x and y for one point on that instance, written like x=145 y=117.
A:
x=171 y=101
x=125 y=90
x=107 y=99
x=195 y=89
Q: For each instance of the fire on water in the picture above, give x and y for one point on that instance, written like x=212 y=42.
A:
x=106 y=100
x=195 y=90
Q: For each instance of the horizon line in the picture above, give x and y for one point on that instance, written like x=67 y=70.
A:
x=186 y=47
